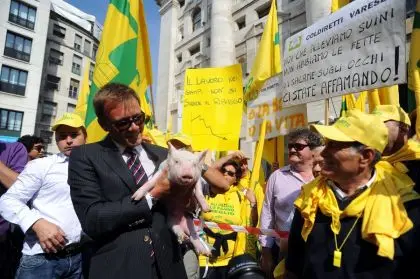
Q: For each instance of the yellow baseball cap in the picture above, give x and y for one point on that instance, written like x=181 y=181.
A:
x=357 y=126
x=69 y=119
x=185 y=139
x=392 y=112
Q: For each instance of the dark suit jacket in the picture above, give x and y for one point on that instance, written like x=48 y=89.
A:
x=101 y=186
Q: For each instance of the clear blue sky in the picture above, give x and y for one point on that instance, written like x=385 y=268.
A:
x=98 y=8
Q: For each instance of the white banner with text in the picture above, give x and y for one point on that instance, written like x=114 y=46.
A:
x=359 y=47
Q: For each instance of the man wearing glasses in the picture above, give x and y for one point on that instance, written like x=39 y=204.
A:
x=34 y=145
x=131 y=238
x=282 y=189
x=39 y=202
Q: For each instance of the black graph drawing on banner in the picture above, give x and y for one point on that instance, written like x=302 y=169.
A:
x=200 y=119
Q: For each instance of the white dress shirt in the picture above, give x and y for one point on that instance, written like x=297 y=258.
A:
x=147 y=164
x=43 y=186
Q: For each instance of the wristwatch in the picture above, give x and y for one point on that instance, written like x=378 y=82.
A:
x=204 y=168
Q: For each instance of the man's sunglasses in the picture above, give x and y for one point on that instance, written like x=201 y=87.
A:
x=230 y=173
x=38 y=148
x=125 y=123
x=297 y=146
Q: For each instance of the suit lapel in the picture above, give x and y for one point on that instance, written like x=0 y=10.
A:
x=113 y=158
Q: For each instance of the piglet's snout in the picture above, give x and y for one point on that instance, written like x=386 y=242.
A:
x=187 y=179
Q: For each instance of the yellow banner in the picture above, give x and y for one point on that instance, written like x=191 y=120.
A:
x=212 y=112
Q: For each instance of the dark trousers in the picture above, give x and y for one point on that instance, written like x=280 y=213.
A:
x=219 y=272
x=10 y=252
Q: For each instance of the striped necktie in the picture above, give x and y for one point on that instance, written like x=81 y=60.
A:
x=135 y=167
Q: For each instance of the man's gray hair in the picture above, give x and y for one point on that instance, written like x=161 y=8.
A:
x=311 y=138
x=358 y=147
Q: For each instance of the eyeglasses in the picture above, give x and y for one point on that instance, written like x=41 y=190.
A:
x=297 y=146
x=38 y=148
x=230 y=173
x=125 y=124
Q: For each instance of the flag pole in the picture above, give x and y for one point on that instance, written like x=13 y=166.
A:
x=152 y=104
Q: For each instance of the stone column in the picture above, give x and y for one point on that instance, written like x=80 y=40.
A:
x=316 y=9
x=222 y=49
x=166 y=61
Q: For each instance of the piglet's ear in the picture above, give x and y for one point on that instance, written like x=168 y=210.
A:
x=171 y=148
x=202 y=156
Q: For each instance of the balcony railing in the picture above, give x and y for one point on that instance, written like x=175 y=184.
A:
x=12 y=88
x=11 y=52
x=21 y=21
x=55 y=60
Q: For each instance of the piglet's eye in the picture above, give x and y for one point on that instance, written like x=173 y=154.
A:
x=176 y=161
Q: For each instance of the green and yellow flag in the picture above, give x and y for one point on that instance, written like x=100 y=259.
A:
x=82 y=100
x=123 y=57
x=267 y=62
x=414 y=64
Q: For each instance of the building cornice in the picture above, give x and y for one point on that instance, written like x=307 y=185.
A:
x=167 y=5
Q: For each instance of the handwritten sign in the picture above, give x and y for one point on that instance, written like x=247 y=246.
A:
x=212 y=112
x=359 y=47
x=269 y=105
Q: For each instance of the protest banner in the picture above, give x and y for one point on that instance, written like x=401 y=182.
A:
x=212 y=111
x=359 y=47
x=269 y=106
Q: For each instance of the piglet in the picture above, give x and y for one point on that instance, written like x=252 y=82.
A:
x=184 y=172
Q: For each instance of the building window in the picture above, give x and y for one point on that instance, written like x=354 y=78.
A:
x=18 y=46
x=59 y=31
x=74 y=88
x=94 y=51
x=208 y=41
x=410 y=7
x=86 y=49
x=241 y=23
x=22 y=14
x=49 y=108
x=209 y=13
x=11 y=120
x=263 y=11
x=46 y=136
x=13 y=80
x=53 y=82
x=56 y=57
x=91 y=70
x=77 y=65
x=196 y=19
x=194 y=50
x=71 y=107
x=78 y=43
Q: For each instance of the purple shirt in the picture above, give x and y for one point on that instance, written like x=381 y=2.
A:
x=283 y=187
x=15 y=157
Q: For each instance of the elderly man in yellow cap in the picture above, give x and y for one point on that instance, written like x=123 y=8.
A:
x=39 y=202
x=402 y=152
x=358 y=219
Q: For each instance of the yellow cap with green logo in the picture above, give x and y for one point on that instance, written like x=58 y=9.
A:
x=69 y=119
x=392 y=112
x=357 y=126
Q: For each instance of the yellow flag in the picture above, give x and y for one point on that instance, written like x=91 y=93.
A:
x=82 y=100
x=123 y=57
x=337 y=4
x=373 y=99
x=258 y=156
x=389 y=95
x=414 y=64
x=267 y=62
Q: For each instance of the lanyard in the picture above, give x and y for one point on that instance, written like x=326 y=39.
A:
x=337 y=251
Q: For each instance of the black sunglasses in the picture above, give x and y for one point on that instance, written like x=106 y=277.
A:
x=125 y=123
x=230 y=173
x=38 y=148
x=297 y=146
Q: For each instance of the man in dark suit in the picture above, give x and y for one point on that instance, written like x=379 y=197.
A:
x=131 y=239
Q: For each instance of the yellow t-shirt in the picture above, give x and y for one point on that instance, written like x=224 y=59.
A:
x=252 y=240
x=225 y=208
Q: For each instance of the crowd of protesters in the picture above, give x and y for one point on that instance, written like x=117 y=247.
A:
x=346 y=199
